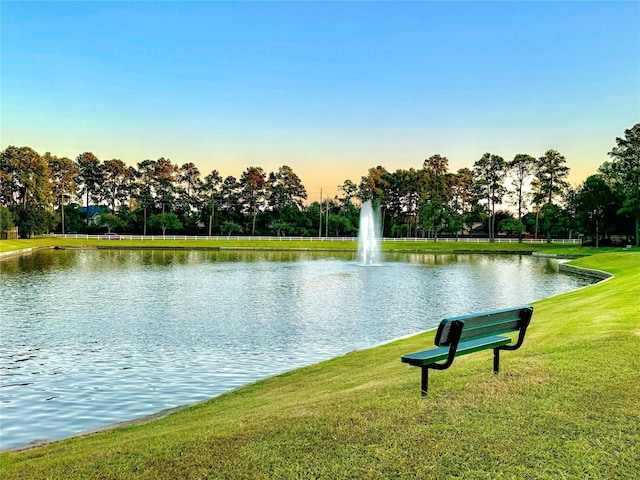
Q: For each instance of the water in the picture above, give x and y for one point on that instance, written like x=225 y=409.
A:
x=91 y=338
x=369 y=235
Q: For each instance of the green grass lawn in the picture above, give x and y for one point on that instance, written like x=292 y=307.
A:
x=565 y=405
x=328 y=244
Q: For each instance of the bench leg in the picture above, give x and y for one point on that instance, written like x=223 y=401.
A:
x=424 y=383
x=496 y=361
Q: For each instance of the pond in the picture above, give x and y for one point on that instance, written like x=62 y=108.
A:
x=93 y=337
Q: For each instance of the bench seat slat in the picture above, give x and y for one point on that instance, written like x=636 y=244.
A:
x=427 y=357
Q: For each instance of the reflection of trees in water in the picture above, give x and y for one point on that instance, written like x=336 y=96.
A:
x=426 y=259
x=109 y=260
x=185 y=257
x=106 y=260
x=38 y=261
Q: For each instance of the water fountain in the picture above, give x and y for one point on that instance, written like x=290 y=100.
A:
x=369 y=235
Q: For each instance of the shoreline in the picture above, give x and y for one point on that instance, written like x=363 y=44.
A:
x=40 y=442
x=602 y=275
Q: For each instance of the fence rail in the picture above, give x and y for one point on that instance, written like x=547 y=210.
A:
x=570 y=241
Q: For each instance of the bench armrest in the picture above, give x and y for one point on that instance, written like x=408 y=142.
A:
x=525 y=318
x=429 y=358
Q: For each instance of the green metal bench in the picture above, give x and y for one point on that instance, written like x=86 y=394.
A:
x=472 y=333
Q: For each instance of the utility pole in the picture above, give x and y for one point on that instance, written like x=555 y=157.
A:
x=320 y=228
x=326 y=219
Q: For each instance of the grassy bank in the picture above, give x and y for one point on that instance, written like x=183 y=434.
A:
x=328 y=244
x=564 y=406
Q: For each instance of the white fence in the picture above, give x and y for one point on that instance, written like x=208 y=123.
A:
x=570 y=241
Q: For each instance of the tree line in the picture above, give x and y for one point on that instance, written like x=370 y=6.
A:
x=524 y=196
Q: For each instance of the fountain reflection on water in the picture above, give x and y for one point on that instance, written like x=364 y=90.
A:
x=369 y=235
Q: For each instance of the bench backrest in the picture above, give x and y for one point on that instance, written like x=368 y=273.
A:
x=483 y=324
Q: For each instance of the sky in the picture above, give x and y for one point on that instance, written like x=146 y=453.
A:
x=329 y=88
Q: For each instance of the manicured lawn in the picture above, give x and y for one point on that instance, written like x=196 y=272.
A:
x=327 y=244
x=564 y=406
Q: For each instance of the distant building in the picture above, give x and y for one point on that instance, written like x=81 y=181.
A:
x=92 y=213
x=11 y=234
x=476 y=229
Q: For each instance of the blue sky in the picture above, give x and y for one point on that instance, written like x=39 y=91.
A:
x=329 y=88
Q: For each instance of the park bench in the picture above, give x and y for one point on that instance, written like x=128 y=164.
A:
x=469 y=334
